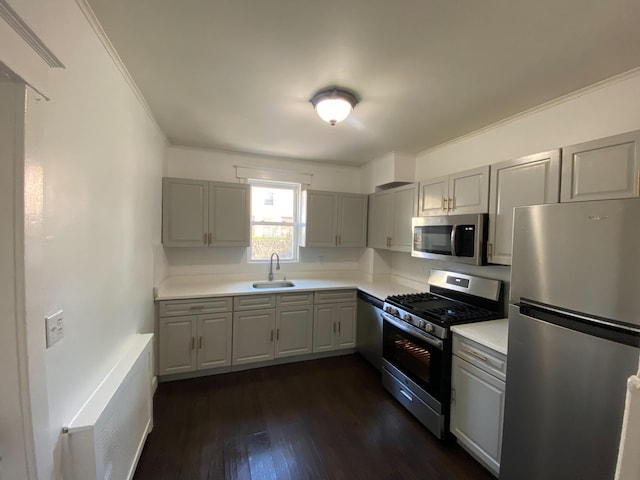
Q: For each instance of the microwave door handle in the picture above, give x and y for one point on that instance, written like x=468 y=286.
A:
x=454 y=232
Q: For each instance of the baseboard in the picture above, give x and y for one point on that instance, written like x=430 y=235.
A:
x=250 y=366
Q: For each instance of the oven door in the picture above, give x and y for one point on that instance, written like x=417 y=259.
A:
x=418 y=355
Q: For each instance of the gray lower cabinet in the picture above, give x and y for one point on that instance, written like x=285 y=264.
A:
x=272 y=326
x=198 y=213
x=194 y=342
x=200 y=334
x=530 y=180
x=294 y=330
x=334 y=320
x=253 y=335
x=602 y=169
x=477 y=400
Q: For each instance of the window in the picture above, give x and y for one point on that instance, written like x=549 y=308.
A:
x=274 y=220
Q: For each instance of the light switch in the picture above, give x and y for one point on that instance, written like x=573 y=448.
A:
x=55 y=328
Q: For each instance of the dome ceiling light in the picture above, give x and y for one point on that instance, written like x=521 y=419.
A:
x=334 y=104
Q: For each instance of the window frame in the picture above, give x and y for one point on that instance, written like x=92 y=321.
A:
x=296 y=188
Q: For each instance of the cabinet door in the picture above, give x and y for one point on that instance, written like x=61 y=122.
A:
x=214 y=340
x=322 y=219
x=433 y=196
x=177 y=337
x=477 y=411
x=347 y=324
x=294 y=331
x=253 y=336
x=469 y=192
x=602 y=169
x=404 y=209
x=324 y=328
x=530 y=180
x=184 y=212
x=229 y=211
x=352 y=220
x=380 y=215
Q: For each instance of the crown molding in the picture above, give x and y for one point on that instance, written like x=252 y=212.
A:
x=538 y=108
x=29 y=36
x=108 y=46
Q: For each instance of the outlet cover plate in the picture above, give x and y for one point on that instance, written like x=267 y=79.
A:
x=55 y=328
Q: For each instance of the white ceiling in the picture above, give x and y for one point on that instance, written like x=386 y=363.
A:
x=238 y=74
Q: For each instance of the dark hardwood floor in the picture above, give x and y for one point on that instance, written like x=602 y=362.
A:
x=322 y=419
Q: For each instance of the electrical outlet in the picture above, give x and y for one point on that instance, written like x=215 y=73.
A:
x=55 y=328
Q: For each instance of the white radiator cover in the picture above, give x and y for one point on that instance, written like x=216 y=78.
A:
x=105 y=439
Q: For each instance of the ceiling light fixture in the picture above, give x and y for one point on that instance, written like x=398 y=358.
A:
x=334 y=104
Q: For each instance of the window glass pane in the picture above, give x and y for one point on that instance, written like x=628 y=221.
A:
x=266 y=239
x=269 y=204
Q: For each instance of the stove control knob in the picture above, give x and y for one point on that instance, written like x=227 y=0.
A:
x=429 y=328
x=406 y=317
x=388 y=309
x=422 y=324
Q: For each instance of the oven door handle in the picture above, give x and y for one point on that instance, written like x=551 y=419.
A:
x=454 y=233
x=411 y=330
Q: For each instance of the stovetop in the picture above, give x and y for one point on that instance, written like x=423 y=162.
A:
x=439 y=309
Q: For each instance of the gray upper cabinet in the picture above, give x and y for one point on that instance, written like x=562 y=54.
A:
x=229 y=214
x=390 y=214
x=332 y=219
x=602 y=169
x=380 y=214
x=185 y=212
x=197 y=213
x=530 y=180
x=458 y=194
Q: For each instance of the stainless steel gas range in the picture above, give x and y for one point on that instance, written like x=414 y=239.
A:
x=416 y=351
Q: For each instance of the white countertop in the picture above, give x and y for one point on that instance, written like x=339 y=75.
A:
x=493 y=334
x=201 y=286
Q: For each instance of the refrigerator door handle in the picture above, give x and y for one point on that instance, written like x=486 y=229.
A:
x=594 y=326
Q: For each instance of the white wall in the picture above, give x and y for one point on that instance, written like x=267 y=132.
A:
x=93 y=172
x=220 y=166
x=608 y=108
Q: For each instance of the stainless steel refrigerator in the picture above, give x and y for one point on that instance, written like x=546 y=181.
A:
x=574 y=338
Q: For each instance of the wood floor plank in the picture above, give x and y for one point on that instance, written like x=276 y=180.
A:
x=316 y=420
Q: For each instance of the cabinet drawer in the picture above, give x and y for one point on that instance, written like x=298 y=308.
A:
x=252 y=302
x=481 y=356
x=294 y=299
x=335 y=296
x=172 y=308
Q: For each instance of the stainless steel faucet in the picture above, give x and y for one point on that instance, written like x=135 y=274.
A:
x=271 y=265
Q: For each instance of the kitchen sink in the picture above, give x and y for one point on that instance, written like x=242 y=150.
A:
x=274 y=284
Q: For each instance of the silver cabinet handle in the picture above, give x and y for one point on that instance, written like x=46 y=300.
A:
x=450 y=203
x=476 y=354
x=406 y=395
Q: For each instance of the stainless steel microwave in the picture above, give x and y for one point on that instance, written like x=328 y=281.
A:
x=454 y=238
